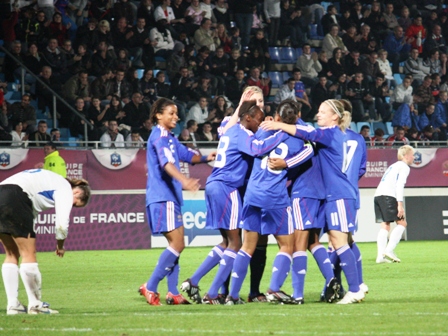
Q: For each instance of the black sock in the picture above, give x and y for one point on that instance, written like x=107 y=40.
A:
x=257 y=265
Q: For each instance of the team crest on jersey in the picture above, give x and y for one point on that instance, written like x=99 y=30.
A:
x=115 y=159
x=5 y=159
x=418 y=158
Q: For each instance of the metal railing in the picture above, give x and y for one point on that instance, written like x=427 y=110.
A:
x=56 y=96
x=208 y=144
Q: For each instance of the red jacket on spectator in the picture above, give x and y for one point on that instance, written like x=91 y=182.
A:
x=413 y=31
x=265 y=88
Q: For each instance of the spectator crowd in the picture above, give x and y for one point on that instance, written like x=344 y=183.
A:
x=105 y=59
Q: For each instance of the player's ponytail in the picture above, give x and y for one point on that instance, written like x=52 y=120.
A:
x=84 y=186
x=288 y=110
x=343 y=109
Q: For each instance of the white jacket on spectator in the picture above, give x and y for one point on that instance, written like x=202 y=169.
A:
x=107 y=142
x=402 y=95
x=160 y=14
x=284 y=93
x=163 y=42
x=196 y=113
x=308 y=67
x=272 y=8
x=385 y=68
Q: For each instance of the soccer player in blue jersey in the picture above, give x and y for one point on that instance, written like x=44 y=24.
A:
x=355 y=170
x=307 y=195
x=190 y=286
x=340 y=203
x=267 y=210
x=235 y=149
x=164 y=197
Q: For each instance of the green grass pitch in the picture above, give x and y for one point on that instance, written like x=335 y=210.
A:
x=96 y=294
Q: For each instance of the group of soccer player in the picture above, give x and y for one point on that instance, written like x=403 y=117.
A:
x=323 y=165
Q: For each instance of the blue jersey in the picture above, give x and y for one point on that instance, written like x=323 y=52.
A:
x=333 y=156
x=307 y=178
x=267 y=188
x=163 y=148
x=357 y=158
x=235 y=151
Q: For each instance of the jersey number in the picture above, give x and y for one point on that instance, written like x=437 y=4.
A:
x=283 y=152
x=221 y=153
x=348 y=154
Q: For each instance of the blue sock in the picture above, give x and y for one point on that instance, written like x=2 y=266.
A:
x=164 y=266
x=173 y=279
x=239 y=272
x=334 y=258
x=299 y=268
x=207 y=265
x=348 y=265
x=280 y=270
x=358 y=258
x=323 y=261
x=225 y=268
x=225 y=287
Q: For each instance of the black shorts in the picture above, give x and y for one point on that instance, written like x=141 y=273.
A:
x=386 y=209
x=16 y=212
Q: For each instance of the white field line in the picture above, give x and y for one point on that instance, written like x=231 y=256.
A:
x=215 y=331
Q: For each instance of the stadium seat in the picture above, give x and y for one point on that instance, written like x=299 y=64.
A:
x=325 y=5
x=299 y=52
x=177 y=130
x=274 y=52
x=288 y=55
x=360 y=124
x=276 y=79
x=390 y=129
x=398 y=78
x=379 y=124
x=286 y=75
x=353 y=127
x=140 y=73
x=313 y=33
x=65 y=132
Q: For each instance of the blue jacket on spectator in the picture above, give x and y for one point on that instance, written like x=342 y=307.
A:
x=442 y=110
x=405 y=118
x=433 y=119
x=393 y=46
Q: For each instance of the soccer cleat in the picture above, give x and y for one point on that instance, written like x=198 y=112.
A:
x=351 y=297
x=15 y=310
x=278 y=297
x=364 y=288
x=332 y=290
x=41 y=309
x=298 y=301
x=222 y=298
x=211 y=301
x=178 y=299
x=322 y=297
x=191 y=290
x=260 y=297
x=392 y=257
x=142 y=289
x=382 y=260
x=152 y=298
x=230 y=301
